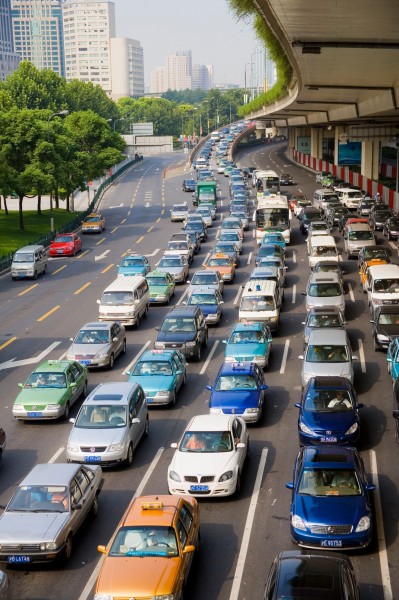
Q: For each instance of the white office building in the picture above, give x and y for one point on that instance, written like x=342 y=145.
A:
x=127 y=68
x=202 y=77
x=158 y=81
x=179 y=71
x=9 y=60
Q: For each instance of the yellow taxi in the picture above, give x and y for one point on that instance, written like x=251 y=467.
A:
x=93 y=223
x=150 y=554
x=222 y=263
x=365 y=267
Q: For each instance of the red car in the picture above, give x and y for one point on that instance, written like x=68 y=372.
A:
x=65 y=244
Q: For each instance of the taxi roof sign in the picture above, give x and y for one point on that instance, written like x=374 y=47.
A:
x=152 y=505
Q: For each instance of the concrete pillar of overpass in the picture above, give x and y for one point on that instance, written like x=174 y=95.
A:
x=316 y=142
x=260 y=133
x=370 y=160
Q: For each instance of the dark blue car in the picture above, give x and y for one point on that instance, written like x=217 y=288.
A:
x=239 y=389
x=328 y=412
x=330 y=506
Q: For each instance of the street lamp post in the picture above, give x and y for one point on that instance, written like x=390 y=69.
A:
x=207 y=110
x=245 y=83
x=116 y=120
x=61 y=113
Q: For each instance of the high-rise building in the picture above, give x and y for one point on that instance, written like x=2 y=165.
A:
x=179 y=71
x=158 y=81
x=202 y=77
x=89 y=26
x=127 y=68
x=38 y=33
x=9 y=60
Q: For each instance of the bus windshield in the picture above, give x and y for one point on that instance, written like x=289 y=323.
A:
x=272 y=218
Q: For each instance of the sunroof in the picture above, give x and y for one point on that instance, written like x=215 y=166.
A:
x=320 y=457
x=107 y=397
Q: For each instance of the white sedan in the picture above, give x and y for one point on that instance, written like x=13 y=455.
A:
x=210 y=457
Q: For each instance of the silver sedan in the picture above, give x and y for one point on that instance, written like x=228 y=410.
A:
x=98 y=344
x=176 y=265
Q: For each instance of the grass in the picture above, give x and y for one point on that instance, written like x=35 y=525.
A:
x=36 y=226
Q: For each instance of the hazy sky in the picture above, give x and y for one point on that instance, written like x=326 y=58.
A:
x=206 y=27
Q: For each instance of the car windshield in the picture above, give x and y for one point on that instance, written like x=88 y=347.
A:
x=335 y=354
x=170 y=262
x=360 y=235
x=92 y=219
x=246 y=337
x=203 y=279
x=328 y=400
x=92 y=336
x=178 y=324
x=225 y=247
x=115 y=298
x=196 y=225
x=324 y=251
x=259 y=302
x=40 y=498
x=329 y=482
x=145 y=541
x=23 y=257
x=317 y=320
x=46 y=380
x=375 y=253
x=219 y=262
x=101 y=416
x=153 y=367
x=132 y=262
x=180 y=207
x=394 y=223
x=236 y=382
x=229 y=237
x=231 y=225
x=327 y=268
x=177 y=246
x=202 y=299
x=388 y=319
x=324 y=290
x=63 y=238
x=157 y=280
x=386 y=286
x=206 y=441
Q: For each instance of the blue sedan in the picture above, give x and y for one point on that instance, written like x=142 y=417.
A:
x=393 y=359
x=161 y=373
x=274 y=238
x=134 y=264
x=328 y=412
x=269 y=251
x=330 y=506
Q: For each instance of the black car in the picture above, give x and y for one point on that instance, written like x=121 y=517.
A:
x=391 y=228
x=385 y=325
x=327 y=575
x=373 y=252
x=248 y=171
x=198 y=227
x=336 y=214
x=286 y=179
x=377 y=218
x=183 y=328
x=306 y=216
x=189 y=185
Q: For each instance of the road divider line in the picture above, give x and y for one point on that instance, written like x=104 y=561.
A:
x=47 y=314
x=351 y=294
x=180 y=300
x=86 y=285
x=107 y=268
x=393 y=245
x=93 y=577
x=294 y=256
x=379 y=521
x=114 y=229
x=56 y=455
x=140 y=239
x=7 y=343
x=150 y=229
x=362 y=357
x=129 y=212
x=162 y=211
x=123 y=221
x=235 y=590
x=249 y=258
x=60 y=269
x=294 y=293
x=136 y=358
x=157 y=221
x=236 y=299
x=32 y=287
x=208 y=360
x=285 y=355
x=100 y=241
x=82 y=254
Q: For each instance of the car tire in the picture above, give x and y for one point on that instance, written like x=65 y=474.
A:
x=84 y=390
x=198 y=355
x=129 y=456
x=66 y=411
x=173 y=400
x=14 y=278
x=35 y=275
x=147 y=427
x=376 y=344
x=111 y=361
x=94 y=507
x=124 y=347
x=68 y=550
x=389 y=368
x=45 y=269
x=238 y=485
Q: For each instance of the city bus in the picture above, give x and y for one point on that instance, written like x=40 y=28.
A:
x=268 y=181
x=272 y=214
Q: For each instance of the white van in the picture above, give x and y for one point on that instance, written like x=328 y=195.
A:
x=126 y=300
x=382 y=285
x=29 y=261
x=356 y=237
x=322 y=198
x=260 y=301
x=349 y=197
x=321 y=248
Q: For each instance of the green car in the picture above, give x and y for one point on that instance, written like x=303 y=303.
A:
x=162 y=287
x=50 y=390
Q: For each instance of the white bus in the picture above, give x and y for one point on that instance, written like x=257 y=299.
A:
x=267 y=181
x=272 y=214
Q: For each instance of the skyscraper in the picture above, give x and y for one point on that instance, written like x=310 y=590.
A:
x=179 y=71
x=38 y=33
x=202 y=77
x=127 y=68
x=9 y=60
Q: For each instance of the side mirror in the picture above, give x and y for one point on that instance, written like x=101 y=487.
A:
x=72 y=420
x=355 y=358
x=102 y=549
x=297 y=404
x=303 y=293
x=21 y=385
x=128 y=372
x=73 y=384
x=372 y=321
x=370 y=487
x=210 y=388
x=135 y=421
x=157 y=328
x=240 y=445
x=188 y=549
x=98 y=301
x=389 y=359
x=289 y=485
x=173 y=445
x=360 y=405
x=303 y=322
x=76 y=506
x=300 y=356
x=395 y=414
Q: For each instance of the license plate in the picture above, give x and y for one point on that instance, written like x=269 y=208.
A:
x=85 y=362
x=92 y=459
x=60 y=251
x=35 y=414
x=199 y=488
x=328 y=439
x=331 y=544
x=149 y=400
x=18 y=559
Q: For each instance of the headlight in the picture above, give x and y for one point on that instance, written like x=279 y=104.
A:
x=273 y=319
x=101 y=355
x=163 y=393
x=191 y=344
x=73 y=448
x=352 y=429
x=175 y=476
x=130 y=314
x=382 y=338
x=53 y=406
x=377 y=302
x=297 y=522
x=115 y=447
x=103 y=597
x=305 y=428
x=17 y=407
x=159 y=345
x=48 y=546
x=215 y=411
x=164 y=597
x=226 y=476
x=70 y=356
x=363 y=524
x=252 y=410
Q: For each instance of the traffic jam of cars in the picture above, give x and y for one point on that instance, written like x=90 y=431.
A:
x=331 y=506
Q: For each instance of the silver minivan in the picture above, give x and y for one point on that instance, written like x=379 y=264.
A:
x=29 y=262
x=111 y=422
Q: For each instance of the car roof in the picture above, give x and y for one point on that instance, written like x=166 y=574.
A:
x=209 y=422
x=237 y=368
x=203 y=289
x=56 y=366
x=182 y=311
x=137 y=514
x=51 y=474
x=330 y=457
x=329 y=277
x=110 y=392
x=328 y=336
x=99 y=325
x=156 y=355
x=252 y=325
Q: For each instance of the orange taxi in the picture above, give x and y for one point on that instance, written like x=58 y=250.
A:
x=222 y=263
x=151 y=551
x=93 y=223
x=364 y=267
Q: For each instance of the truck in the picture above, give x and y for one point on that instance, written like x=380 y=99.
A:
x=206 y=192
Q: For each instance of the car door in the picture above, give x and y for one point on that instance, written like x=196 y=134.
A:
x=187 y=534
x=137 y=410
x=116 y=333
x=239 y=435
x=75 y=375
x=81 y=493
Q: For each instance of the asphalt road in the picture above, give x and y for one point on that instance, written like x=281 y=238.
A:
x=240 y=537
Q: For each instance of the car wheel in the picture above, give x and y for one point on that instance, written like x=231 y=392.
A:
x=389 y=236
x=376 y=344
x=94 y=507
x=45 y=269
x=74 y=252
x=84 y=391
x=129 y=456
x=66 y=411
x=389 y=368
x=111 y=361
x=146 y=310
x=147 y=427
x=138 y=320
x=68 y=548
x=238 y=485
x=14 y=278
x=184 y=380
x=124 y=347
x=35 y=275
x=198 y=356
x=173 y=399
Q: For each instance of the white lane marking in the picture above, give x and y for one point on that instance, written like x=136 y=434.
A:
x=379 y=521
x=182 y=298
x=362 y=357
x=236 y=299
x=10 y=364
x=135 y=359
x=340 y=257
x=208 y=360
x=393 y=245
x=249 y=258
x=254 y=233
x=103 y=255
x=285 y=354
x=152 y=253
x=294 y=293
x=351 y=294
x=294 y=256
x=235 y=590
x=56 y=455
x=93 y=577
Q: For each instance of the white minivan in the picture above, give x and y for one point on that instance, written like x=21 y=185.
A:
x=321 y=248
x=261 y=301
x=126 y=300
x=29 y=261
x=382 y=285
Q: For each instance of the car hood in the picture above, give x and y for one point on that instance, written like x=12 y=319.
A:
x=174 y=336
x=31 y=527
x=194 y=463
x=391 y=331
x=139 y=270
x=153 y=383
x=327 y=421
x=61 y=244
x=144 y=577
x=249 y=349
x=209 y=309
x=330 y=510
x=327 y=368
x=158 y=289
x=326 y=301
x=87 y=349
x=235 y=399
x=171 y=270
x=96 y=437
x=40 y=396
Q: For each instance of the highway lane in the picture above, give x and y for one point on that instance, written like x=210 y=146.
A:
x=223 y=522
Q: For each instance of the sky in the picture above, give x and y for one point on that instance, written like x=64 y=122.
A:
x=206 y=27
